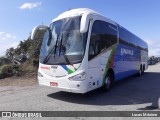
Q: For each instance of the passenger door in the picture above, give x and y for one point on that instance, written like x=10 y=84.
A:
x=93 y=58
x=101 y=47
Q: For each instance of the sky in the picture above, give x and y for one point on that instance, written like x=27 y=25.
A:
x=19 y=17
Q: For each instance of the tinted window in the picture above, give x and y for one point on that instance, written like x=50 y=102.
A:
x=103 y=35
x=130 y=39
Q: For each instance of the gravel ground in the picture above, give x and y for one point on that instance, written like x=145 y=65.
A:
x=134 y=93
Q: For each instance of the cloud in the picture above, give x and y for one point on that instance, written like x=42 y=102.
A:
x=29 y=5
x=6 y=36
x=154 y=47
x=5 y=47
x=7 y=40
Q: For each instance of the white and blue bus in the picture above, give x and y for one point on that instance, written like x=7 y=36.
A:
x=82 y=50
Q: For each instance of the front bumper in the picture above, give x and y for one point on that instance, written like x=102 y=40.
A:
x=64 y=84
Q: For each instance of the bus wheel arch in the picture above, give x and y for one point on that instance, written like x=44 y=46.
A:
x=111 y=73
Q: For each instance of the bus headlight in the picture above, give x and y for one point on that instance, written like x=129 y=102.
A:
x=78 y=77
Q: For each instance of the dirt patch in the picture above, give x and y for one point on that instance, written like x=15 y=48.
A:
x=25 y=80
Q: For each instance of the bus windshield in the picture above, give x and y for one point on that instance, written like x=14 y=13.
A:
x=67 y=45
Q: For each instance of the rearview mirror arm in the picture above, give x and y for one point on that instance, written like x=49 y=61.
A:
x=34 y=30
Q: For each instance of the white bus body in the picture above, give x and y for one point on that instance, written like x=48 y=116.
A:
x=87 y=51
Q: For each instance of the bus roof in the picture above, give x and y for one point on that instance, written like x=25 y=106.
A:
x=76 y=12
x=80 y=11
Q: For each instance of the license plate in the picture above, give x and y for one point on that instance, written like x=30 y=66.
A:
x=53 y=84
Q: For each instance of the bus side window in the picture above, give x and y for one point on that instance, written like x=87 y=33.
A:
x=94 y=47
x=108 y=35
x=103 y=36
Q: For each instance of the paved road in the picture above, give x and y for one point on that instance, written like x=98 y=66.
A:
x=134 y=93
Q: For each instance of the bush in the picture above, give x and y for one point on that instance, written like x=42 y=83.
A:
x=28 y=68
x=35 y=62
x=9 y=70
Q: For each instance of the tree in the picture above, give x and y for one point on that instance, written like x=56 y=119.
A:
x=23 y=47
x=10 y=53
x=4 y=60
x=35 y=47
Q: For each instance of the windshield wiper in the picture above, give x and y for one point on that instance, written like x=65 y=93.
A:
x=60 y=45
x=67 y=60
x=54 y=49
x=56 y=46
x=65 y=56
x=48 y=56
x=50 y=53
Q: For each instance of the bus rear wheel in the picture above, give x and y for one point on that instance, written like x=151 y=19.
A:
x=140 y=72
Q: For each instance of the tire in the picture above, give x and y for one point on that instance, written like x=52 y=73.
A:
x=140 y=72
x=108 y=84
x=109 y=81
x=143 y=70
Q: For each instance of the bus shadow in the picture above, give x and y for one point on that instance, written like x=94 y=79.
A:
x=130 y=91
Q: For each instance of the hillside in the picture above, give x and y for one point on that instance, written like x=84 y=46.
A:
x=22 y=60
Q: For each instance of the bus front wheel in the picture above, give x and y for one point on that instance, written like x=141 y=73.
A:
x=109 y=81
x=108 y=84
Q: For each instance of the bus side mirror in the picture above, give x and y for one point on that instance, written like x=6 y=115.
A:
x=84 y=23
x=42 y=27
x=34 y=30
